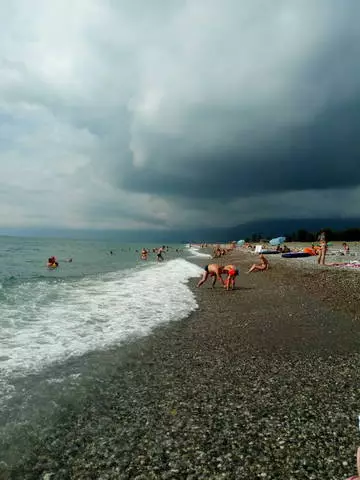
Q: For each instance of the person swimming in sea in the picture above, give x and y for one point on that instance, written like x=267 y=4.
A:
x=212 y=270
x=144 y=254
x=52 y=262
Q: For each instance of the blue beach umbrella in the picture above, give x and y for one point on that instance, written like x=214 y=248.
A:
x=277 y=241
x=240 y=242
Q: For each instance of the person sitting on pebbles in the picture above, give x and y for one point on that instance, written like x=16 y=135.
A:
x=260 y=267
x=212 y=270
x=232 y=273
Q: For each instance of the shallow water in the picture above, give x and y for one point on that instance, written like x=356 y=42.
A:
x=96 y=302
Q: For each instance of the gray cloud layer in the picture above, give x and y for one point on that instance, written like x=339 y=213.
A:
x=177 y=113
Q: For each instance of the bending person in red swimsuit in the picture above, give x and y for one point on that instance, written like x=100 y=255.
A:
x=232 y=273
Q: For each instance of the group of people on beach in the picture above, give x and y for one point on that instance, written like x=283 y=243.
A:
x=216 y=271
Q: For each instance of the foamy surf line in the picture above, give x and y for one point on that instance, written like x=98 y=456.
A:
x=73 y=318
x=196 y=253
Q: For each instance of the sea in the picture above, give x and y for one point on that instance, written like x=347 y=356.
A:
x=51 y=319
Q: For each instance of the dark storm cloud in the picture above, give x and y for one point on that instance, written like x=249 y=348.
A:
x=323 y=154
x=300 y=135
x=159 y=113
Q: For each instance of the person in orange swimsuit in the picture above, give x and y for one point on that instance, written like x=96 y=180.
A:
x=232 y=273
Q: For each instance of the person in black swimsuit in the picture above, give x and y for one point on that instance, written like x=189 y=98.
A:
x=212 y=270
x=160 y=251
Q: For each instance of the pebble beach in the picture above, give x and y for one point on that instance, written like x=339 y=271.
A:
x=262 y=382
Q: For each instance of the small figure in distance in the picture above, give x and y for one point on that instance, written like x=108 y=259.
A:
x=232 y=273
x=144 y=254
x=323 y=247
x=260 y=267
x=212 y=270
x=346 y=248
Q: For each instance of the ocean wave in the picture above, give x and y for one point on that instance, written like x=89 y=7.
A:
x=195 y=252
x=44 y=322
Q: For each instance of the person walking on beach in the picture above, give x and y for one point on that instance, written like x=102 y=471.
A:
x=323 y=247
x=212 y=270
x=260 y=267
x=232 y=273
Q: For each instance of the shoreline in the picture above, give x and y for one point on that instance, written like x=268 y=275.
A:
x=339 y=288
x=259 y=382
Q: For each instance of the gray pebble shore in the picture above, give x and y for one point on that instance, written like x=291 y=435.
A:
x=262 y=382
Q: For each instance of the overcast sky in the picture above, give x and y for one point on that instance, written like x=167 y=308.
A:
x=178 y=113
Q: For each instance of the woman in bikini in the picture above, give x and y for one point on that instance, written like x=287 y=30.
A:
x=323 y=248
x=260 y=267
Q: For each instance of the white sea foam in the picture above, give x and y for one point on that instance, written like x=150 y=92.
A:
x=195 y=252
x=58 y=320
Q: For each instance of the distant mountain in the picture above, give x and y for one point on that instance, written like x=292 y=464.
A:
x=277 y=228
x=265 y=228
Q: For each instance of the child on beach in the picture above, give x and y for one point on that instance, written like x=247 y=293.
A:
x=212 y=270
x=232 y=273
x=260 y=267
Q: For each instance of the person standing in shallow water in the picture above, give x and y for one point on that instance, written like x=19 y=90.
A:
x=159 y=254
x=323 y=247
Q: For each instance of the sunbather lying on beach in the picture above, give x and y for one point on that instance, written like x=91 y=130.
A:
x=212 y=270
x=232 y=273
x=260 y=267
